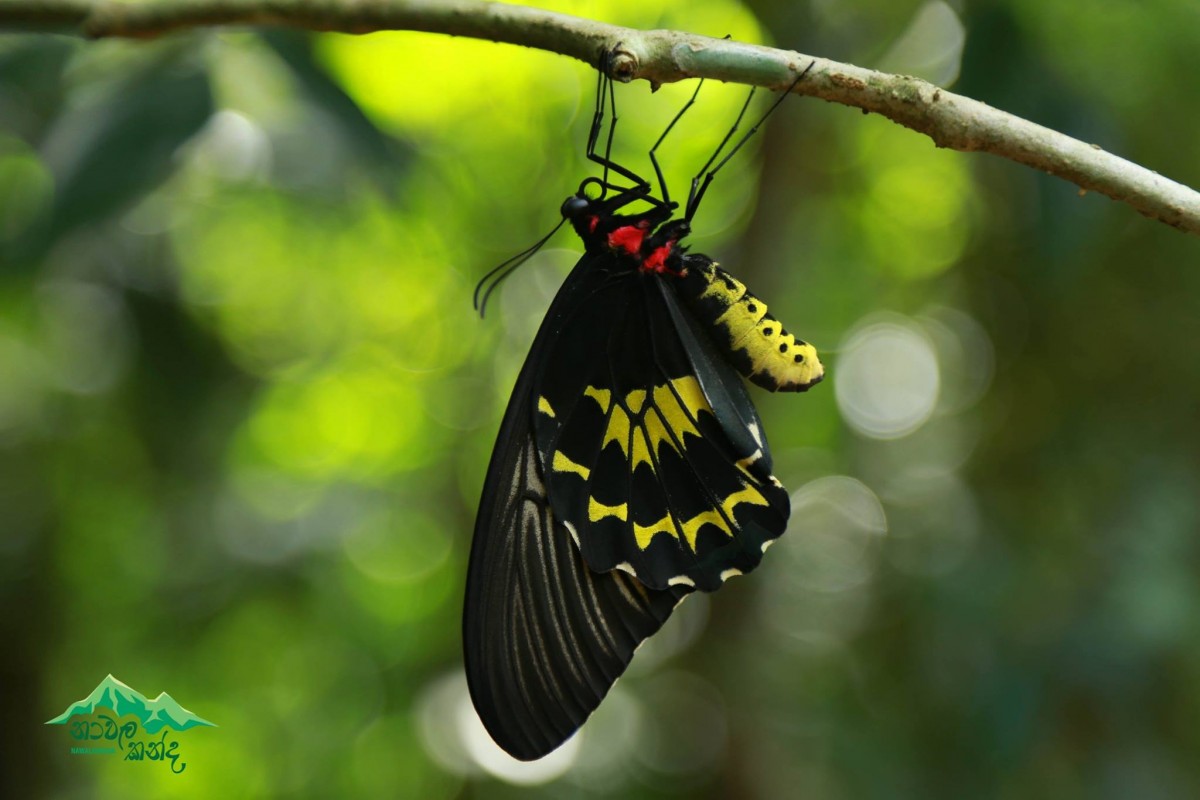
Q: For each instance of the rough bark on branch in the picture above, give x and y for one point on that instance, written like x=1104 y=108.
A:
x=950 y=120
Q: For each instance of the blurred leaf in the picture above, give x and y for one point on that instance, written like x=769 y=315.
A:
x=109 y=150
x=384 y=157
x=31 y=86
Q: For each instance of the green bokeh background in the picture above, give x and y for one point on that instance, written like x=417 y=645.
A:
x=245 y=410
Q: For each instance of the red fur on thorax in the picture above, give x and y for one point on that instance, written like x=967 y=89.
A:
x=628 y=238
x=657 y=260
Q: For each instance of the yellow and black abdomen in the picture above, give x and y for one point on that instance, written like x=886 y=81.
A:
x=739 y=324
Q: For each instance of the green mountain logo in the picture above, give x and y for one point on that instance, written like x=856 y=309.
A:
x=161 y=712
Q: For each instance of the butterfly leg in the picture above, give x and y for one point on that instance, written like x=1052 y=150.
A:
x=662 y=183
x=606 y=104
x=698 y=189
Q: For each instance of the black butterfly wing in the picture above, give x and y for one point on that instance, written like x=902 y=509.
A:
x=655 y=458
x=544 y=636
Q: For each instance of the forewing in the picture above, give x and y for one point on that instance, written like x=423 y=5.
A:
x=544 y=636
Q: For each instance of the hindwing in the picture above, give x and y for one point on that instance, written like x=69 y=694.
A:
x=654 y=456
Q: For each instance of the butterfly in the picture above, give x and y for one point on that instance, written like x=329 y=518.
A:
x=631 y=467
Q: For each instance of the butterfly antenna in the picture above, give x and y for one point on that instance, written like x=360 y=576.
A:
x=496 y=276
x=697 y=195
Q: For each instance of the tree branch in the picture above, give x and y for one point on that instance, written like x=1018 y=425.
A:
x=950 y=120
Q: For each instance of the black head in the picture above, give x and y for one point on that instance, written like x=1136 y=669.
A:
x=575 y=206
